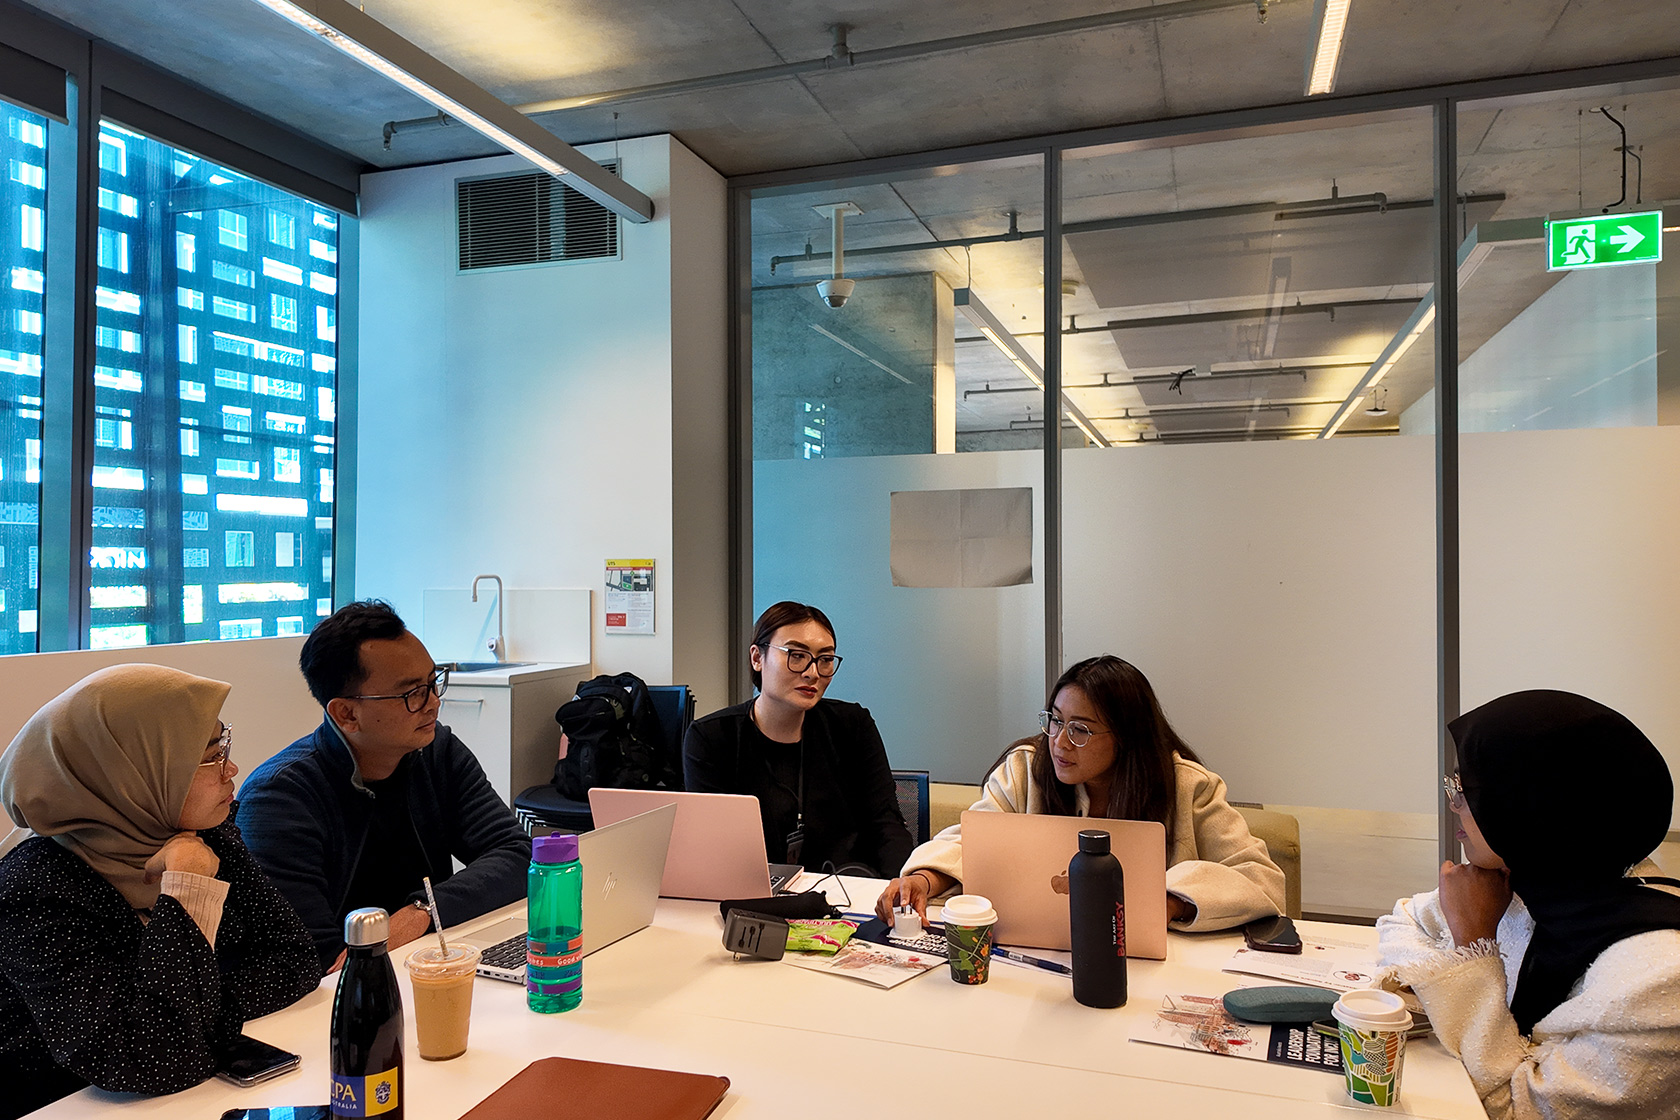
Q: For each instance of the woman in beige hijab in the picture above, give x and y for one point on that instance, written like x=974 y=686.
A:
x=136 y=932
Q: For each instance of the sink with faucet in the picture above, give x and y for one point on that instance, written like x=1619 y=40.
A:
x=484 y=666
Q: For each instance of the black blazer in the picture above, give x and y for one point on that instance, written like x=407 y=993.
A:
x=851 y=806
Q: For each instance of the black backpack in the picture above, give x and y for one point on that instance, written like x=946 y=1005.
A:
x=615 y=739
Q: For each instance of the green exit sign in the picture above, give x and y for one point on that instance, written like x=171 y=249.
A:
x=1604 y=240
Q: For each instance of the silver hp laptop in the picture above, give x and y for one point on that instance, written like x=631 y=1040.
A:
x=622 y=866
x=1020 y=862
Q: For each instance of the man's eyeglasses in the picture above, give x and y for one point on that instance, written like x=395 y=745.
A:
x=1455 y=792
x=224 y=746
x=416 y=698
x=798 y=660
x=1077 y=733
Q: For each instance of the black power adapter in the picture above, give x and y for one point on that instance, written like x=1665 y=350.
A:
x=755 y=935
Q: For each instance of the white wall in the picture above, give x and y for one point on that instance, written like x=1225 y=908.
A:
x=950 y=674
x=1570 y=542
x=522 y=421
x=269 y=706
x=1281 y=599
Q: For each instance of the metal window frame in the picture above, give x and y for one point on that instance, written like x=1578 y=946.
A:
x=101 y=83
x=1443 y=101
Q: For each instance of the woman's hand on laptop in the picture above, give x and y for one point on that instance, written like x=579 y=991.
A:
x=913 y=890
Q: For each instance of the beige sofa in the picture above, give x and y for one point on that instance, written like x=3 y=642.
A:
x=1280 y=831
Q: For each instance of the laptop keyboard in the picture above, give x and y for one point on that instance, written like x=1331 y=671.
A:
x=509 y=955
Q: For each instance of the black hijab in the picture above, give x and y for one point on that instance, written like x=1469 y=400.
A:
x=1570 y=794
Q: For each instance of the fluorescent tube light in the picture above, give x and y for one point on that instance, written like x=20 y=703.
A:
x=1330 y=22
x=998 y=335
x=384 y=51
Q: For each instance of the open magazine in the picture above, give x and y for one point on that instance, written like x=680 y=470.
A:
x=1323 y=962
x=884 y=966
x=1193 y=1022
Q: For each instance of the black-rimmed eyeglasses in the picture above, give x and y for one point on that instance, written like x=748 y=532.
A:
x=798 y=660
x=415 y=699
x=1076 y=733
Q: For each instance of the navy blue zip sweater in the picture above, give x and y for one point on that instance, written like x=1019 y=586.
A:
x=305 y=814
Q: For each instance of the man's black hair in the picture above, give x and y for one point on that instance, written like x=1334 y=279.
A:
x=331 y=659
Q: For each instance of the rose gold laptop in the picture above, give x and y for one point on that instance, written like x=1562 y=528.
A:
x=1020 y=861
x=717 y=844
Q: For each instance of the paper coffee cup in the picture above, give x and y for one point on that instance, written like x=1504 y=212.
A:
x=1373 y=1027
x=443 y=987
x=969 y=919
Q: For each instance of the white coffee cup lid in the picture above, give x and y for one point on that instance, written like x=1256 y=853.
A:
x=969 y=910
x=1371 y=1010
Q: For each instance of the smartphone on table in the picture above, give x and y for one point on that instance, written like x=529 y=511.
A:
x=1272 y=935
x=281 y=1112
x=250 y=1061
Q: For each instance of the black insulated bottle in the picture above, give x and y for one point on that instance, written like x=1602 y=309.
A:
x=367 y=1024
x=1097 y=916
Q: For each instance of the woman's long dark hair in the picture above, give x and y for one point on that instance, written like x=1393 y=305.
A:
x=1144 y=781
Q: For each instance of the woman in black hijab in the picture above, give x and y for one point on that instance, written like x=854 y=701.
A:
x=1550 y=962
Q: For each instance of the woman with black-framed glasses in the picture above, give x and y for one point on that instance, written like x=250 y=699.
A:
x=817 y=766
x=137 y=933
x=1105 y=749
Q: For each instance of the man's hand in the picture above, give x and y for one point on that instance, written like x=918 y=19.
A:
x=407 y=924
x=1473 y=900
x=183 y=852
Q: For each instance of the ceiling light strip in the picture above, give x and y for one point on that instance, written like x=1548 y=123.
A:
x=382 y=50
x=998 y=335
x=1330 y=24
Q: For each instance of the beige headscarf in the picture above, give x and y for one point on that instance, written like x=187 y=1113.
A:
x=105 y=766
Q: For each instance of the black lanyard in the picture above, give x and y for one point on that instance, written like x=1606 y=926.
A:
x=795 y=839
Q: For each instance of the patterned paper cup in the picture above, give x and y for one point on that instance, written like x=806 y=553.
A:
x=969 y=920
x=1373 y=1028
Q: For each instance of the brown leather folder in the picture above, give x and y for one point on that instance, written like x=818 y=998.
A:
x=569 y=1089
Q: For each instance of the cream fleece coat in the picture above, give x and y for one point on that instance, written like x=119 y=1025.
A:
x=1612 y=1049
x=1214 y=862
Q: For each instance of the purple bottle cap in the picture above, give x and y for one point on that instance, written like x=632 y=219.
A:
x=554 y=849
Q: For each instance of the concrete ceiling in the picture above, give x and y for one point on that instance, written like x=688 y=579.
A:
x=1263 y=285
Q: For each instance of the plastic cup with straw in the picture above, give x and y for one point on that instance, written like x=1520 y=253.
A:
x=442 y=979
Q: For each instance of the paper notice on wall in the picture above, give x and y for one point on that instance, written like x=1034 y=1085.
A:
x=629 y=596
x=962 y=538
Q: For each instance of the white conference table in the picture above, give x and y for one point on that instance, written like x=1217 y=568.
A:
x=793 y=1041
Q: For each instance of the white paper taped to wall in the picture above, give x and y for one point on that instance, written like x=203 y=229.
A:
x=962 y=538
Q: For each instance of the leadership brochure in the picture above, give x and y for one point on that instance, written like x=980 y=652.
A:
x=1195 y=1022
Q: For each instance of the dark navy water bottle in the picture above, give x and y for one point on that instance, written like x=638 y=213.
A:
x=366 y=1050
x=1097 y=919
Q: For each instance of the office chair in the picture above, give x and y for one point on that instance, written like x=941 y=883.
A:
x=544 y=807
x=913 y=801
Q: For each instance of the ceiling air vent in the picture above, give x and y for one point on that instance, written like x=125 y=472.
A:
x=530 y=218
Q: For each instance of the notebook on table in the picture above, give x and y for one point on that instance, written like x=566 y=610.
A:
x=1020 y=862
x=622 y=865
x=600 y=1091
x=717 y=844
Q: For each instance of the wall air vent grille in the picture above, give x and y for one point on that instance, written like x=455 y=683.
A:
x=530 y=218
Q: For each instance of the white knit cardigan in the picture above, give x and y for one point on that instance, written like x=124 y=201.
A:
x=1612 y=1049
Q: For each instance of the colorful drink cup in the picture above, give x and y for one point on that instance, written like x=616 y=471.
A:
x=1373 y=1028
x=969 y=920
x=443 y=987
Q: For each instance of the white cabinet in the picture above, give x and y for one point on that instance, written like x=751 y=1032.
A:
x=506 y=718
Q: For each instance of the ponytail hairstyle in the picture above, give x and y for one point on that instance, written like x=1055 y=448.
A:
x=1144 y=782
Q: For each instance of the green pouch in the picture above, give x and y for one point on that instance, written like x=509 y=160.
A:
x=819 y=935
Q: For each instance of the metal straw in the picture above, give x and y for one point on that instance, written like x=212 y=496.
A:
x=437 y=923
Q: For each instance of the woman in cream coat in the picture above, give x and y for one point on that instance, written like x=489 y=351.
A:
x=1107 y=750
x=1563 y=998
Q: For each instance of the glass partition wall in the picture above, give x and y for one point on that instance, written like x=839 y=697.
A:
x=1244 y=319
x=1257 y=495
x=1569 y=399
x=897 y=433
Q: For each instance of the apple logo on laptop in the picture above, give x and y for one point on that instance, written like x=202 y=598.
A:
x=1059 y=883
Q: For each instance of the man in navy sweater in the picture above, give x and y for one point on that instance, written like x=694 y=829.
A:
x=380 y=795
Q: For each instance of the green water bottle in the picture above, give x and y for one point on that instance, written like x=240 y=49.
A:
x=554 y=942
